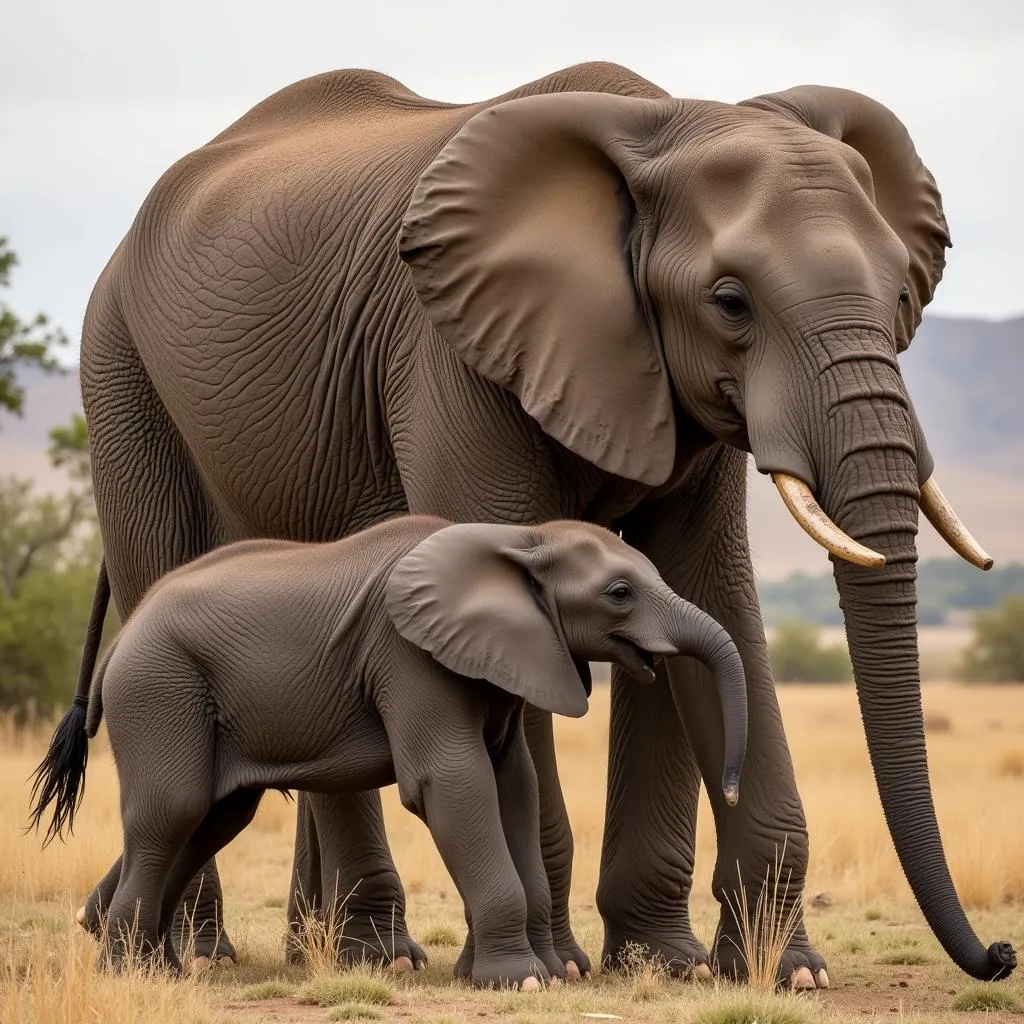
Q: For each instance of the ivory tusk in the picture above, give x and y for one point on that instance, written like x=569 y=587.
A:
x=947 y=523
x=808 y=513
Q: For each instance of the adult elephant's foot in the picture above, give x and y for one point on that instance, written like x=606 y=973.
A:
x=682 y=954
x=571 y=956
x=362 y=940
x=525 y=972
x=800 y=967
x=556 y=961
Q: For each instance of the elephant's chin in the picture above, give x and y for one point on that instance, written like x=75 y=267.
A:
x=583 y=669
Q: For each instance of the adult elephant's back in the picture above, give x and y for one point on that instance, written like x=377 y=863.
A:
x=261 y=288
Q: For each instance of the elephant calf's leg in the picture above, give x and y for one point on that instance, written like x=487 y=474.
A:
x=343 y=870
x=556 y=839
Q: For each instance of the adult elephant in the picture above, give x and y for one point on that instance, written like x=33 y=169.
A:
x=583 y=299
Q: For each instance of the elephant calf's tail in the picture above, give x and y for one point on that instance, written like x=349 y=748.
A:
x=60 y=777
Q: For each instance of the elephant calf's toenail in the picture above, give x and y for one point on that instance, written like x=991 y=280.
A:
x=822 y=978
x=80 y=917
x=529 y=985
x=701 y=972
x=401 y=964
x=572 y=972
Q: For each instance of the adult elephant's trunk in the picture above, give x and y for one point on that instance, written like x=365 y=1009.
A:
x=868 y=464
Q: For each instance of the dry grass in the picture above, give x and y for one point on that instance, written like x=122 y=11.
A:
x=862 y=917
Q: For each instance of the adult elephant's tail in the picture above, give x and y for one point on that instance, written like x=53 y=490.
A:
x=60 y=777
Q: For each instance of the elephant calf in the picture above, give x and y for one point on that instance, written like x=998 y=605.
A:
x=400 y=654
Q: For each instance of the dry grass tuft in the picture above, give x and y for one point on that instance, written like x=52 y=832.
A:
x=987 y=998
x=766 y=931
x=741 y=1009
x=440 y=935
x=360 y=986
x=272 y=988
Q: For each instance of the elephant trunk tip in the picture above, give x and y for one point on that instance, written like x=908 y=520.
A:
x=1003 y=959
x=731 y=789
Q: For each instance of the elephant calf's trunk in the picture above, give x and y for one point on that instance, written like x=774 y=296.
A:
x=704 y=638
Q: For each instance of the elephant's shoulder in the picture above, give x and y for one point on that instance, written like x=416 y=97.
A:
x=592 y=76
x=351 y=93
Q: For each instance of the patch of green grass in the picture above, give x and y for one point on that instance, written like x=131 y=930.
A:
x=354 y=1011
x=272 y=989
x=354 y=987
x=987 y=997
x=906 y=957
x=852 y=946
x=873 y=914
x=441 y=935
x=274 y=902
x=781 y=1010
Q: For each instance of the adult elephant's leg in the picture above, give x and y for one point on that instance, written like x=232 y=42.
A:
x=698 y=539
x=353 y=879
x=154 y=516
x=650 y=822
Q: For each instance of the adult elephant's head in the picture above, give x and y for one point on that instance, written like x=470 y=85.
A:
x=612 y=260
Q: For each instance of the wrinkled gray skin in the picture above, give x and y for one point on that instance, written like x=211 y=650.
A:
x=356 y=301
x=401 y=654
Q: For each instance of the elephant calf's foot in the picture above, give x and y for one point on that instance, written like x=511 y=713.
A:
x=682 y=954
x=800 y=968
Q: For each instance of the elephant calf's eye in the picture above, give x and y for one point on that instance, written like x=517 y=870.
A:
x=620 y=592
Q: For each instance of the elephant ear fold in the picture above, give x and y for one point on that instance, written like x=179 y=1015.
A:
x=465 y=596
x=905 y=191
x=517 y=238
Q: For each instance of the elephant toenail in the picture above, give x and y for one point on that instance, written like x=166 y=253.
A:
x=701 y=972
x=401 y=964
x=529 y=985
x=80 y=917
x=801 y=979
x=572 y=971
x=822 y=978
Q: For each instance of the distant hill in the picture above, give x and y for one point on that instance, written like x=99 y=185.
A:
x=947 y=588
x=963 y=375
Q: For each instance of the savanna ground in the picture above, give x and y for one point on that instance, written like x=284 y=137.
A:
x=882 y=959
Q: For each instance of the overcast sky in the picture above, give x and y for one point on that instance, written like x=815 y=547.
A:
x=97 y=98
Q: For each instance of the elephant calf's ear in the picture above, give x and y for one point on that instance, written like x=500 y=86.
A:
x=458 y=597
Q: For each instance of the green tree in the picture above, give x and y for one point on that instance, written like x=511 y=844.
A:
x=22 y=343
x=49 y=556
x=40 y=533
x=798 y=655
x=996 y=654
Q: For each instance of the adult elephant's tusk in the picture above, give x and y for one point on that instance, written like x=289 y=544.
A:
x=941 y=515
x=808 y=513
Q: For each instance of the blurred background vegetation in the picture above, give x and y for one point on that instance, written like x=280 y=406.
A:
x=50 y=552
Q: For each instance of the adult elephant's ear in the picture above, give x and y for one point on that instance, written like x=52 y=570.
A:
x=518 y=240
x=464 y=596
x=905 y=191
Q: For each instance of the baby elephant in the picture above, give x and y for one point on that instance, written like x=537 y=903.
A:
x=400 y=654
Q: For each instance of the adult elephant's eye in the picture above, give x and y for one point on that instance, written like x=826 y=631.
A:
x=620 y=592
x=732 y=305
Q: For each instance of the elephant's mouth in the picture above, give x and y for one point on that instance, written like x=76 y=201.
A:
x=633 y=658
x=583 y=670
